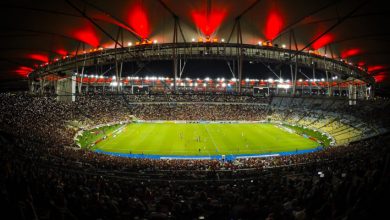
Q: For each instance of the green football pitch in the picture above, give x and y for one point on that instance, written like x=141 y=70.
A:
x=176 y=139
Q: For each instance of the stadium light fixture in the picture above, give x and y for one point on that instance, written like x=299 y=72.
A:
x=300 y=80
x=284 y=46
x=234 y=79
x=193 y=39
x=155 y=41
x=223 y=40
x=270 y=80
x=281 y=80
x=283 y=86
x=204 y=84
x=207 y=79
x=260 y=43
x=129 y=44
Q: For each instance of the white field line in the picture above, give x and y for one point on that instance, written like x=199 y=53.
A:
x=212 y=139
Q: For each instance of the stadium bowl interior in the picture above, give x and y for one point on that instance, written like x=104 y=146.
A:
x=206 y=109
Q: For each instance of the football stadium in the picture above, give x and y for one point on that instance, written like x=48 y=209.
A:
x=196 y=109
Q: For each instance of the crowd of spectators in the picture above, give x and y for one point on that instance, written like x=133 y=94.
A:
x=338 y=183
x=197 y=98
x=43 y=176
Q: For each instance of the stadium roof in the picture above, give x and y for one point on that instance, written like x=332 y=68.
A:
x=34 y=32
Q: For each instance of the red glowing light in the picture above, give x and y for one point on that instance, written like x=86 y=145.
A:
x=350 y=53
x=23 y=70
x=138 y=20
x=380 y=77
x=39 y=57
x=61 y=52
x=322 y=41
x=273 y=25
x=361 y=63
x=87 y=35
x=208 y=23
x=374 y=68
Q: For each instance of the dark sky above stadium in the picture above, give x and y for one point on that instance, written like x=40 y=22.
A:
x=38 y=31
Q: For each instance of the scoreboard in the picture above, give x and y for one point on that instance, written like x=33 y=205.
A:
x=260 y=91
x=140 y=89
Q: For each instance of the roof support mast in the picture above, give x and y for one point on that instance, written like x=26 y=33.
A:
x=239 y=54
x=118 y=67
x=239 y=42
x=174 y=56
x=176 y=26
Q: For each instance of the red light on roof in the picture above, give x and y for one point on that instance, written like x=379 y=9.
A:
x=380 y=77
x=138 y=20
x=350 y=53
x=322 y=41
x=208 y=23
x=61 y=52
x=23 y=71
x=39 y=57
x=273 y=26
x=87 y=35
x=375 y=68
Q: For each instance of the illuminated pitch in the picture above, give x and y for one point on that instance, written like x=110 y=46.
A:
x=197 y=139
